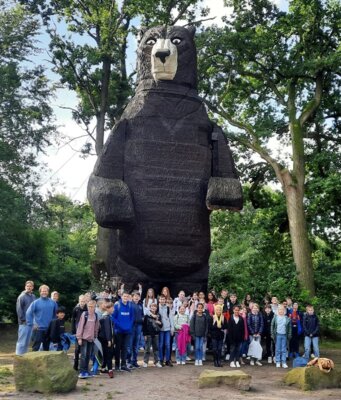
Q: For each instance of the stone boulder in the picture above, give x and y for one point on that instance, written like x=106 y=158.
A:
x=311 y=378
x=44 y=372
x=236 y=379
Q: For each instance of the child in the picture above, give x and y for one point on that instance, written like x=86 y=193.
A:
x=166 y=331
x=281 y=334
x=76 y=315
x=236 y=336
x=56 y=329
x=136 y=331
x=296 y=325
x=245 y=343
x=151 y=327
x=311 y=330
x=178 y=301
x=123 y=319
x=274 y=304
x=211 y=301
x=269 y=343
x=199 y=329
x=217 y=330
x=87 y=332
x=181 y=326
x=106 y=336
x=149 y=299
x=255 y=326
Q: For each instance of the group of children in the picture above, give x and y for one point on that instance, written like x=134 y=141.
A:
x=231 y=329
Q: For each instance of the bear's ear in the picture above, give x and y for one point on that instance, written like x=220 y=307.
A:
x=191 y=29
x=142 y=30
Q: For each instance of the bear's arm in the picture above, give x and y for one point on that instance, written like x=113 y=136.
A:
x=224 y=189
x=108 y=194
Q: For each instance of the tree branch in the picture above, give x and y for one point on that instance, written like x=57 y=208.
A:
x=312 y=106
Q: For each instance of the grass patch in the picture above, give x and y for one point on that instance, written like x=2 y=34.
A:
x=330 y=344
x=5 y=372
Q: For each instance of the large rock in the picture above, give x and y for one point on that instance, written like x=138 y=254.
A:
x=311 y=378
x=44 y=372
x=236 y=379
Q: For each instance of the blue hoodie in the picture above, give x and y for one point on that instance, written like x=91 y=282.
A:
x=41 y=312
x=123 y=317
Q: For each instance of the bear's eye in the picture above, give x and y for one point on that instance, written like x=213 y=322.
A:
x=151 y=41
x=176 y=40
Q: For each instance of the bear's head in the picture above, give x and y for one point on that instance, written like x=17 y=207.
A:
x=168 y=54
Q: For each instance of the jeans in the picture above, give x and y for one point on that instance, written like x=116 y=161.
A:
x=199 y=347
x=164 y=344
x=121 y=347
x=134 y=344
x=244 y=347
x=39 y=337
x=86 y=353
x=24 y=337
x=307 y=346
x=151 y=341
x=281 y=348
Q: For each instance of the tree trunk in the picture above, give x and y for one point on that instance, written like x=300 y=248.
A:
x=299 y=233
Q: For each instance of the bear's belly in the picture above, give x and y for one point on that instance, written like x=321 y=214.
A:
x=167 y=171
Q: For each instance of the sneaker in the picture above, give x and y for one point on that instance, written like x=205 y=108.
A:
x=284 y=365
x=227 y=357
x=125 y=368
x=252 y=362
x=278 y=365
x=248 y=358
x=103 y=371
x=145 y=365
x=232 y=364
x=136 y=365
x=130 y=366
x=200 y=363
x=259 y=363
x=158 y=364
x=196 y=362
x=242 y=362
x=111 y=374
x=178 y=362
x=237 y=364
x=117 y=369
x=274 y=359
x=244 y=355
x=269 y=360
x=169 y=364
x=83 y=375
x=183 y=362
x=188 y=359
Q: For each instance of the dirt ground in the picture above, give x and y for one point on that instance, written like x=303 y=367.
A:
x=179 y=382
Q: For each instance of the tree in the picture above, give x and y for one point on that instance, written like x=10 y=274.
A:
x=267 y=74
x=26 y=125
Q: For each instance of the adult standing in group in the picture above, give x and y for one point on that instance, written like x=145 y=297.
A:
x=24 y=300
x=39 y=315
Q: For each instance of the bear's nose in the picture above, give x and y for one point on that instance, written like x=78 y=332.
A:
x=162 y=54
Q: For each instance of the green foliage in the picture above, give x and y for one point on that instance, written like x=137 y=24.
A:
x=252 y=254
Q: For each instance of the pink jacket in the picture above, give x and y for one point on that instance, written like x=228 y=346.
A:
x=183 y=338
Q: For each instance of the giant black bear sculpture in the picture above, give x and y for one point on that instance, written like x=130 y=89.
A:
x=163 y=168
